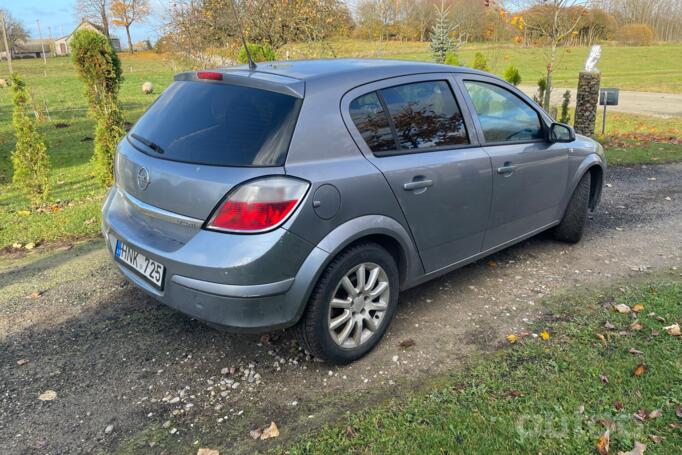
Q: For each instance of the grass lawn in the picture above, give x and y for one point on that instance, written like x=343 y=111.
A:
x=647 y=68
x=537 y=396
x=73 y=209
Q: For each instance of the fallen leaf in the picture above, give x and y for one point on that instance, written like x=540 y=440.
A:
x=655 y=414
x=603 y=443
x=639 y=370
x=208 y=452
x=255 y=434
x=635 y=351
x=492 y=264
x=656 y=439
x=514 y=393
x=678 y=411
x=30 y=245
x=606 y=423
x=655 y=333
x=673 y=330
x=609 y=326
x=617 y=405
x=603 y=379
x=544 y=335
x=350 y=433
x=621 y=308
x=270 y=432
x=48 y=395
x=636 y=326
x=637 y=450
x=407 y=343
x=35 y=295
x=511 y=338
x=89 y=221
x=265 y=339
x=17 y=245
x=22 y=362
x=601 y=337
x=640 y=415
x=23 y=213
x=638 y=308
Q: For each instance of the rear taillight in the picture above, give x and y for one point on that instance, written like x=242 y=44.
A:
x=258 y=205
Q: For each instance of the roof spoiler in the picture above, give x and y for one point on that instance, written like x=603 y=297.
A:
x=254 y=79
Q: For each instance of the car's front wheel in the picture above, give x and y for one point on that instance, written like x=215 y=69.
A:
x=572 y=225
x=352 y=304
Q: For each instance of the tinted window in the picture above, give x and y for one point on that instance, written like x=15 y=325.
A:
x=219 y=124
x=425 y=114
x=503 y=115
x=370 y=119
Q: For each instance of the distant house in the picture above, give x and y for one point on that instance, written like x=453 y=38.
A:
x=61 y=45
x=32 y=48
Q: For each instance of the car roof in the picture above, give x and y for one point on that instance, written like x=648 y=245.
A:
x=360 y=69
x=346 y=72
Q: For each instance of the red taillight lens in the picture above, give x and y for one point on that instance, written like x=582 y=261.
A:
x=259 y=205
x=210 y=75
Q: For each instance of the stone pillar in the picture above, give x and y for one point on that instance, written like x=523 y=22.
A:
x=587 y=100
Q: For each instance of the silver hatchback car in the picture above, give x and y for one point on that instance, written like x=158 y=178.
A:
x=310 y=193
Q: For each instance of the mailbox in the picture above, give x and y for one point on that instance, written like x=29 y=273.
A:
x=608 y=97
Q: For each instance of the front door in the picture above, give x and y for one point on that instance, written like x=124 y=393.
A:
x=530 y=174
x=414 y=132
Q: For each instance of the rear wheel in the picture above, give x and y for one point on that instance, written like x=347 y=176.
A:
x=572 y=225
x=352 y=304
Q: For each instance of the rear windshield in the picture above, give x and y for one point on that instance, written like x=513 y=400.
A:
x=217 y=124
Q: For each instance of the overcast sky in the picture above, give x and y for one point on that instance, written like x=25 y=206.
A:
x=59 y=17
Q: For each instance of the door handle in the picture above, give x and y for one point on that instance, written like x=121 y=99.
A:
x=417 y=184
x=507 y=169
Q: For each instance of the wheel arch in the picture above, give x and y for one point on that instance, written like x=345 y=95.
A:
x=593 y=164
x=380 y=229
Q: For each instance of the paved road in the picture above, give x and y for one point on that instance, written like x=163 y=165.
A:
x=646 y=103
x=115 y=357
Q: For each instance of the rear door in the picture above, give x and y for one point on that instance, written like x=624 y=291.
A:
x=414 y=131
x=530 y=174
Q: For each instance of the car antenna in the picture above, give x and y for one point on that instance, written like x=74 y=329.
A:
x=252 y=64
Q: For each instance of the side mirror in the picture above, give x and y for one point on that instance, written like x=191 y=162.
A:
x=559 y=132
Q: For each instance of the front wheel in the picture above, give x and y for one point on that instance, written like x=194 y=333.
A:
x=352 y=305
x=572 y=225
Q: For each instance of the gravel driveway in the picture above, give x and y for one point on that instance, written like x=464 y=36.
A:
x=132 y=375
x=644 y=103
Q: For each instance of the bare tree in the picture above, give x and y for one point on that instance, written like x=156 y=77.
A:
x=552 y=22
x=125 y=13
x=16 y=32
x=95 y=11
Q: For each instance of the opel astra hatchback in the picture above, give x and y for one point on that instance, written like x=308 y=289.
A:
x=311 y=193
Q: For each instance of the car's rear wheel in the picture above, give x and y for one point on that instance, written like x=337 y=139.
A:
x=572 y=225
x=352 y=304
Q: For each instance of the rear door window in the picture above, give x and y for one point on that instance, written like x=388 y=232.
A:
x=425 y=115
x=417 y=116
x=218 y=124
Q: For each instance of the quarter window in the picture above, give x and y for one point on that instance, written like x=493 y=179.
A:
x=503 y=116
x=369 y=117
x=422 y=115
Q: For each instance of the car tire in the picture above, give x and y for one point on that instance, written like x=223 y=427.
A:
x=572 y=225
x=315 y=331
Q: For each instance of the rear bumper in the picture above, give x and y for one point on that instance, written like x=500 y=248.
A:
x=272 y=274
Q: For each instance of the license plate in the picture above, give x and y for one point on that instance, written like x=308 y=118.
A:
x=151 y=270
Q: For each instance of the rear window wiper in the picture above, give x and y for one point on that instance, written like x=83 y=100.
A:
x=152 y=145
